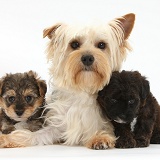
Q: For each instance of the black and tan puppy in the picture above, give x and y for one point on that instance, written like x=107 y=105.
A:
x=134 y=112
x=22 y=96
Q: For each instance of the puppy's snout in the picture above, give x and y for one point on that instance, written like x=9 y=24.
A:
x=19 y=112
x=87 y=60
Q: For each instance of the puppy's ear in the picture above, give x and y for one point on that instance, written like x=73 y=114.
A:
x=49 y=31
x=42 y=87
x=142 y=84
x=41 y=83
x=145 y=89
x=127 y=23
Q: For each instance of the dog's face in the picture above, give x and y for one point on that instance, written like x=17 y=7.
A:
x=21 y=94
x=121 y=100
x=84 y=57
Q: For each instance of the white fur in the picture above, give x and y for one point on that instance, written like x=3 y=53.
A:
x=133 y=123
x=73 y=118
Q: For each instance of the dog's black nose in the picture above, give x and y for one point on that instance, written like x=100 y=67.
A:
x=19 y=112
x=87 y=60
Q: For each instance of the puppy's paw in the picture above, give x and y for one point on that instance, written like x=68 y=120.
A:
x=101 y=141
x=142 y=142
x=5 y=142
x=125 y=143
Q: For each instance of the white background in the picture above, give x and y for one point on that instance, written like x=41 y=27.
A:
x=22 y=46
x=22 y=22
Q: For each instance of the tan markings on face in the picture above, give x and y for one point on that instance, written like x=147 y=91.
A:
x=30 y=92
x=9 y=93
x=10 y=111
x=29 y=109
x=89 y=80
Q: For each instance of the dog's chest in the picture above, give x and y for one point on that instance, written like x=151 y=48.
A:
x=133 y=123
x=79 y=114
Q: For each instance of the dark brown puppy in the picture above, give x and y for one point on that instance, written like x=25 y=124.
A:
x=22 y=98
x=134 y=112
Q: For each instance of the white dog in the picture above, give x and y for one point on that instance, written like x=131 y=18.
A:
x=82 y=59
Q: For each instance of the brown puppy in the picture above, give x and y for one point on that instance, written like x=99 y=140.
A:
x=134 y=112
x=21 y=100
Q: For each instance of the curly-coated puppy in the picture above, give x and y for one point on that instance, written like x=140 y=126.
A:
x=22 y=97
x=134 y=112
x=82 y=60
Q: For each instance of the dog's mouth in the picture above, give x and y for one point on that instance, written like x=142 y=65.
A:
x=87 y=68
x=118 y=120
x=123 y=121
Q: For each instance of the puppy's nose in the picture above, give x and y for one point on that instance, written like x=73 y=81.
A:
x=87 y=60
x=19 y=112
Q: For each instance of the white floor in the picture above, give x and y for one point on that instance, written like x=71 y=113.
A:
x=60 y=152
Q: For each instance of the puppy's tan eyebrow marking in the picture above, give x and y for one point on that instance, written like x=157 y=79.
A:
x=30 y=92
x=9 y=93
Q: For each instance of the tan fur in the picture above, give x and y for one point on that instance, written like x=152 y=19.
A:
x=101 y=141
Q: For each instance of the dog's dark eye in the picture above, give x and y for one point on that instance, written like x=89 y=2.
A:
x=113 y=101
x=75 y=44
x=101 y=45
x=28 y=99
x=131 y=101
x=11 y=99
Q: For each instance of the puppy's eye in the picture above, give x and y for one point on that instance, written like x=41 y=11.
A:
x=113 y=101
x=131 y=101
x=75 y=44
x=28 y=99
x=11 y=99
x=101 y=45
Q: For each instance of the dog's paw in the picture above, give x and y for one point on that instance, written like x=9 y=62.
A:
x=5 y=143
x=125 y=143
x=2 y=141
x=142 y=142
x=101 y=142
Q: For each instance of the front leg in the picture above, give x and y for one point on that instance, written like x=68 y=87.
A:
x=125 y=136
x=23 y=138
x=143 y=132
x=101 y=140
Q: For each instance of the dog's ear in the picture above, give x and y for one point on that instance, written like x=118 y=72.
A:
x=49 y=31
x=42 y=87
x=145 y=89
x=142 y=83
x=41 y=83
x=127 y=23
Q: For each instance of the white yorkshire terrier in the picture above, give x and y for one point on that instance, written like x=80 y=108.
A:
x=82 y=60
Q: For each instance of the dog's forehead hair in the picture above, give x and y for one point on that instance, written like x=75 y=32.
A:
x=19 y=83
x=85 y=32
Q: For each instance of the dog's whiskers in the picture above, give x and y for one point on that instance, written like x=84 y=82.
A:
x=87 y=68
